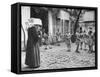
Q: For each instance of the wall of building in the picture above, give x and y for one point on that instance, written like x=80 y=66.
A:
x=61 y=22
x=52 y=22
x=64 y=21
x=88 y=19
x=63 y=15
x=25 y=15
x=89 y=16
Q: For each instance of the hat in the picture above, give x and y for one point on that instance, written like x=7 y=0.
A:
x=34 y=21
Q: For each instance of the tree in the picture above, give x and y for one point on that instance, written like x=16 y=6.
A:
x=75 y=15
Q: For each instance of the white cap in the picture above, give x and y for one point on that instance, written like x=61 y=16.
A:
x=33 y=21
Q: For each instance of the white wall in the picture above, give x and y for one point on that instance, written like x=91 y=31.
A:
x=63 y=15
x=89 y=16
x=25 y=13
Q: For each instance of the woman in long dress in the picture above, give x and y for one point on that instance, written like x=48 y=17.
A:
x=32 y=50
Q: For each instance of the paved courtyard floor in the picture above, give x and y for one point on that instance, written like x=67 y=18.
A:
x=58 y=57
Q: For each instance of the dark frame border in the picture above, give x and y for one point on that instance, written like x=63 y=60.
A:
x=19 y=71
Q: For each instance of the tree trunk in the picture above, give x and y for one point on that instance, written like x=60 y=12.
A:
x=73 y=38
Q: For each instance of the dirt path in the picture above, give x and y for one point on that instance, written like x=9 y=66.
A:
x=59 y=57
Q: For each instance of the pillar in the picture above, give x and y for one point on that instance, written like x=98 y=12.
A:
x=50 y=23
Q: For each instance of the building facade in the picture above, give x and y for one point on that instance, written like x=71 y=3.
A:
x=88 y=21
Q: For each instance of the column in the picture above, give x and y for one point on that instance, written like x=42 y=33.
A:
x=25 y=15
x=50 y=23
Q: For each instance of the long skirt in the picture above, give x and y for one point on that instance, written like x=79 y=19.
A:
x=33 y=55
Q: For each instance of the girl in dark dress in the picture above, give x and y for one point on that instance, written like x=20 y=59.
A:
x=32 y=51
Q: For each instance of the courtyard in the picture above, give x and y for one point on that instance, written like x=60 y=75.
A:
x=57 y=57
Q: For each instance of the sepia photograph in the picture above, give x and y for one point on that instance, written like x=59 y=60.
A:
x=57 y=38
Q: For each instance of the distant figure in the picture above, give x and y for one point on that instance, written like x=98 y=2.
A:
x=45 y=38
x=90 y=42
x=85 y=40
x=93 y=42
x=81 y=38
x=58 y=39
x=68 y=41
x=77 y=41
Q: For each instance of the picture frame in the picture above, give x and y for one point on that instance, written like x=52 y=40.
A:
x=48 y=15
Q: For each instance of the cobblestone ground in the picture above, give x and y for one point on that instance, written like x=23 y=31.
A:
x=59 y=57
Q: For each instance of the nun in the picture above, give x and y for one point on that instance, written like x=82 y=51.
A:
x=32 y=49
